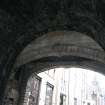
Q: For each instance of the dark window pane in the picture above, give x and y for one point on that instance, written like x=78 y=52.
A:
x=49 y=93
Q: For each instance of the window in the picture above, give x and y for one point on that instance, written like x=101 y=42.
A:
x=32 y=91
x=88 y=103
x=75 y=101
x=83 y=102
x=62 y=99
x=49 y=94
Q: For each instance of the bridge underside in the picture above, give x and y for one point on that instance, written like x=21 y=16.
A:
x=22 y=22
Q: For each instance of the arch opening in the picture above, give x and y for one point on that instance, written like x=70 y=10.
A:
x=65 y=86
x=57 y=49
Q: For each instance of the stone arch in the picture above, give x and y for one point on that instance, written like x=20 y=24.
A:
x=85 y=22
x=60 y=44
x=32 y=68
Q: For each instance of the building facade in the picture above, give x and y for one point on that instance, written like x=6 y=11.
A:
x=62 y=86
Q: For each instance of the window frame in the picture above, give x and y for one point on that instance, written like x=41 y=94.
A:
x=52 y=87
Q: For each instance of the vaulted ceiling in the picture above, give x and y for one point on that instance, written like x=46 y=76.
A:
x=22 y=17
x=21 y=21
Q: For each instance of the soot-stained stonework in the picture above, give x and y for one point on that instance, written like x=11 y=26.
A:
x=21 y=21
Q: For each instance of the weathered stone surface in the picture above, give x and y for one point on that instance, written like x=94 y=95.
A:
x=60 y=43
x=21 y=21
